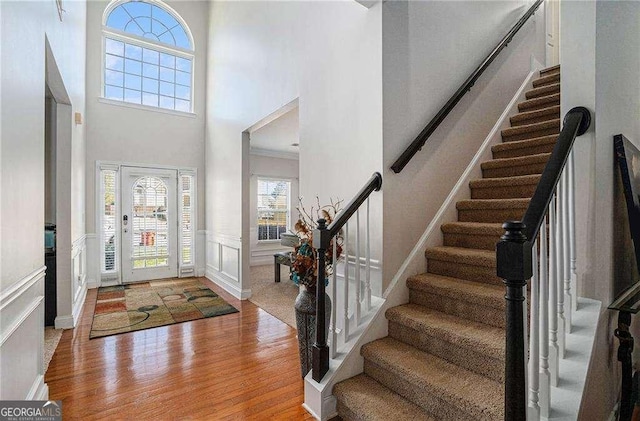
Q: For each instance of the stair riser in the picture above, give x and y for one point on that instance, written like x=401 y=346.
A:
x=538 y=104
x=533 y=120
x=550 y=71
x=346 y=414
x=492 y=215
x=528 y=169
x=549 y=79
x=469 y=358
x=542 y=91
x=507 y=192
x=514 y=153
x=462 y=271
x=472 y=241
x=532 y=134
x=431 y=401
x=463 y=309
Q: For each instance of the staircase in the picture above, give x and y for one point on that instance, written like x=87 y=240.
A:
x=444 y=356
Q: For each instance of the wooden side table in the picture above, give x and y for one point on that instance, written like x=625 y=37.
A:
x=282 y=258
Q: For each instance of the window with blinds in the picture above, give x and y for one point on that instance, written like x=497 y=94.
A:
x=108 y=194
x=274 y=208
x=187 y=211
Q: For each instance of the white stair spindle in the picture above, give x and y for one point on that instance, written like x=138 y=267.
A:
x=534 y=343
x=553 y=296
x=346 y=283
x=568 y=297
x=334 y=290
x=572 y=227
x=367 y=280
x=357 y=269
x=545 y=374
x=560 y=262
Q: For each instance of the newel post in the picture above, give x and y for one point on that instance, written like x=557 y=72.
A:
x=513 y=254
x=321 y=242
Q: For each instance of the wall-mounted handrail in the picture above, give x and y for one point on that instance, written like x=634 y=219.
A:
x=514 y=262
x=322 y=237
x=431 y=127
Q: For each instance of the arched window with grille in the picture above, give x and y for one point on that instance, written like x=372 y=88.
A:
x=148 y=55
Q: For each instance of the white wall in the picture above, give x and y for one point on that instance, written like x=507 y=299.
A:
x=429 y=49
x=24 y=26
x=138 y=136
x=600 y=66
x=262 y=56
x=265 y=166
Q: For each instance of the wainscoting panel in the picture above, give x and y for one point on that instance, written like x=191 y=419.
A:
x=22 y=339
x=73 y=291
x=223 y=264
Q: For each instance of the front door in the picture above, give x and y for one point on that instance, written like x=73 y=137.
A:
x=149 y=224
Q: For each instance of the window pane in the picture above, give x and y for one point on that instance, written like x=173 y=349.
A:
x=114 y=47
x=150 y=70
x=183 y=92
x=133 y=82
x=273 y=208
x=112 y=92
x=132 y=96
x=114 y=63
x=166 y=88
x=183 y=78
x=150 y=99
x=181 y=38
x=150 y=85
x=144 y=23
x=167 y=38
x=132 y=66
x=183 y=105
x=150 y=56
x=133 y=52
x=167 y=75
x=183 y=64
x=166 y=102
x=111 y=77
x=167 y=60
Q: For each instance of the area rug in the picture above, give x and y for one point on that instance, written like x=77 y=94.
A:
x=127 y=308
x=276 y=298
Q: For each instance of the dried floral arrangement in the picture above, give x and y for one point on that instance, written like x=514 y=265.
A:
x=304 y=269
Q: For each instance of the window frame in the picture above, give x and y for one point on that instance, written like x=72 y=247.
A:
x=288 y=211
x=121 y=36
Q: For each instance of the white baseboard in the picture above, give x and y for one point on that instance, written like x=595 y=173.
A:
x=92 y=284
x=79 y=304
x=39 y=390
x=64 y=322
x=200 y=272
x=218 y=279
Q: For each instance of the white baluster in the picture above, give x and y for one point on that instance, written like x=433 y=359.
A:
x=367 y=281
x=545 y=374
x=553 y=296
x=346 y=283
x=566 y=249
x=560 y=262
x=357 y=268
x=572 y=227
x=534 y=343
x=334 y=290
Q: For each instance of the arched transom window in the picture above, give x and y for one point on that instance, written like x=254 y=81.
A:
x=148 y=55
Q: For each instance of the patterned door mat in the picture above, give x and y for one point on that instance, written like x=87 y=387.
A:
x=127 y=308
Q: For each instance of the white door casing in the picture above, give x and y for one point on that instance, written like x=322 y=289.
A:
x=149 y=224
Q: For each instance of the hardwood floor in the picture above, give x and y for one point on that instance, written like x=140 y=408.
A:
x=241 y=366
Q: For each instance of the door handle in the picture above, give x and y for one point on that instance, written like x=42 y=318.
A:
x=125 y=221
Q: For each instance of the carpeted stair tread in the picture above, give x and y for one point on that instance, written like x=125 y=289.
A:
x=519 y=165
x=547 y=80
x=550 y=70
x=519 y=180
x=477 y=337
x=535 y=116
x=476 y=293
x=485 y=204
x=540 y=102
x=524 y=147
x=477 y=396
x=543 y=91
x=531 y=131
x=363 y=398
x=459 y=255
x=476 y=235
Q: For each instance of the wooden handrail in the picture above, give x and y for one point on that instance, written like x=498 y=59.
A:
x=431 y=127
